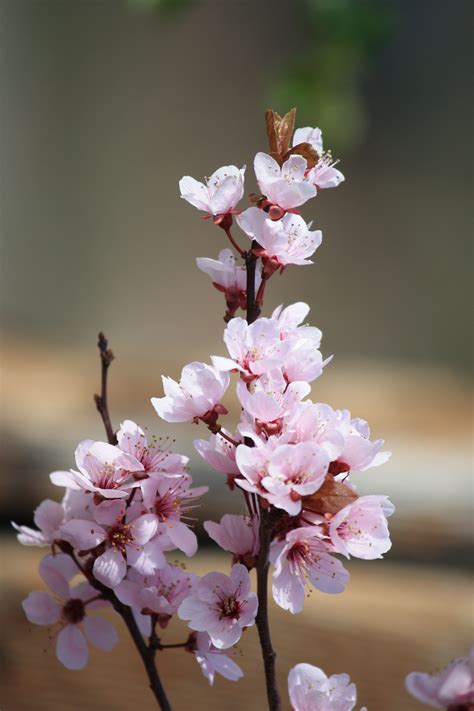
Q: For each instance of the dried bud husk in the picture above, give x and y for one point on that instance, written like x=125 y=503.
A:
x=279 y=130
x=330 y=498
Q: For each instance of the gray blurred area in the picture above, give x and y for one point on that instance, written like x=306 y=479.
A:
x=106 y=104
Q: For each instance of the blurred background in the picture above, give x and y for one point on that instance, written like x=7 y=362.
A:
x=106 y=104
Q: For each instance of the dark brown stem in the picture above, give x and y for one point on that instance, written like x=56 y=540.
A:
x=178 y=645
x=265 y=534
x=261 y=291
x=268 y=653
x=106 y=358
x=253 y=310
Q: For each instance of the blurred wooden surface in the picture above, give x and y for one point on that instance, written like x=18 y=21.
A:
x=391 y=620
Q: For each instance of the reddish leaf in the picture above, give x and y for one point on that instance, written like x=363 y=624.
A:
x=330 y=498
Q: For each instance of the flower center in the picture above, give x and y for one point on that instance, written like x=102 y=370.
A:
x=230 y=607
x=73 y=611
x=120 y=536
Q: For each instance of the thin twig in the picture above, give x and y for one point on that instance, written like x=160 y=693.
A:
x=146 y=652
x=106 y=358
x=233 y=242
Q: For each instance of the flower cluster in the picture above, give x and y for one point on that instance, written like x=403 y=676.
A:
x=128 y=501
x=124 y=507
x=293 y=458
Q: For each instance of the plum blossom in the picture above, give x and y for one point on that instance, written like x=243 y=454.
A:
x=211 y=659
x=229 y=278
x=453 y=687
x=311 y=690
x=196 y=397
x=160 y=593
x=103 y=469
x=303 y=360
x=154 y=457
x=360 y=529
x=254 y=349
x=125 y=543
x=283 y=242
x=48 y=517
x=269 y=398
x=284 y=475
x=222 y=606
x=68 y=607
x=219 y=453
x=238 y=535
x=286 y=186
x=219 y=194
x=167 y=501
x=345 y=439
x=324 y=174
x=304 y=555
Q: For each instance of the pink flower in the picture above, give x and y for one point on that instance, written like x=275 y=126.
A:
x=125 y=543
x=453 y=687
x=48 y=517
x=303 y=360
x=360 y=529
x=166 y=501
x=283 y=242
x=238 y=535
x=346 y=440
x=285 y=475
x=155 y=458
x=304 y=555
x=287 y=186
x=324 y=174
x=219 y=194
x=213 y=660
x=222 y=606
x=195 y=397
x=254 y=349
x=69 y=607
x=160 y=593
x=103 y=469
x=269 y=398
x=311 y=690
x=229 y=278
x=219 y=453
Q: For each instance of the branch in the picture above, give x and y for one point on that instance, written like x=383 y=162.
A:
x=265 y=532
x=147 y=653
x=106 y=358
x=267 y=523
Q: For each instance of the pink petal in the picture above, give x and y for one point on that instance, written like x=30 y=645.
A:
x=41 y=608
x=144 y=528
x=71 y=648
x=83 y=534
x=56 y=571
x=109 y=513
x=110 y=568
x=64 y=479
x=147 y=559
x=101 y=633
x=182 y=537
